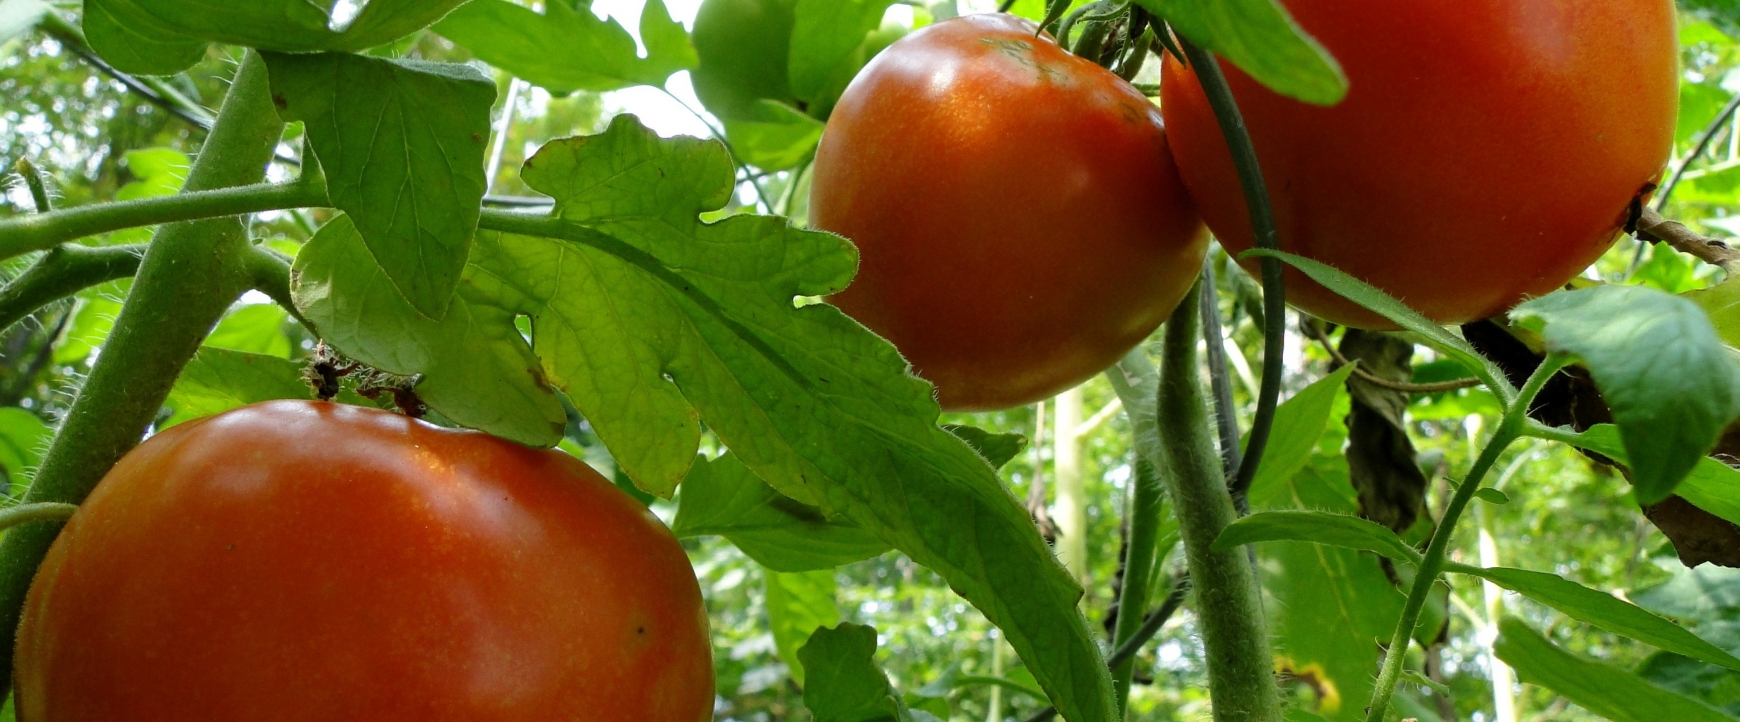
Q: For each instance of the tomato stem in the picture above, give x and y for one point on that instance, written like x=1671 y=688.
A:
x=1220 y=382
x=1229 y=607
x=62 y=272
x=1510 y=428
x=1147 y=504
x=187 y=279
x=22 y=234
x=1244 y=155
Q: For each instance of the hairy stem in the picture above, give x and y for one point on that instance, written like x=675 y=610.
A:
x=1220 y=382
x=40 y=232
x=62 y=272
x=1229 y=609
x=1244 y=156
x=1139 y=562
x=187 y=279
x=33 y=181
x=1432 y=564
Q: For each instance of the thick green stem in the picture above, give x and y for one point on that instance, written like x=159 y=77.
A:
x=1139 y=560
x=62 y=272
x=1244 y=157
x=187 y=279
x=1509 y=429
x=1229 y=611
x=40 y=232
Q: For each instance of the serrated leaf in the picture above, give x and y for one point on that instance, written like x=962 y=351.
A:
x=401 y=142
x=828 y=47
x=565 y=49
x=1387 y=306
x=652 y=321
x=798 y=605
x=1299 y=423
x=1261 y=39
x=724 y=497
x=1603 y=610
x=163 y=37
x=477 y=368
x=1670 y=382
x=1601 y=688
x=1318 y=527
x=997 y=449
x=845 y=684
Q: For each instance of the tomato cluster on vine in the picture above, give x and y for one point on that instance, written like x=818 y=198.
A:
x=1025 y=217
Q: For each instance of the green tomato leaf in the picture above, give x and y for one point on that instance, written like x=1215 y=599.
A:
x=652 y=321
x=844 y=682
x=1670 y=382
x=1329 y=605
x=163 y=37
x=255 y=329
x=829 y=43
x=1261 y=39
x=797 y=606
x=725 y=498
x=23 y=438
x=401 y=142
x=1492 y=496
x=1299 y=423
x=997 y=449
x=1722 y=303
x=565 y=49
x=1320 y=527
x=1604 y=689
x=773 y=136
x=1712 y=485
x=1387 y=306
x=1603 y=610
x=156 y=172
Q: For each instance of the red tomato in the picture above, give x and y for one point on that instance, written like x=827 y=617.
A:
x=1018 y=217
x=1487 y=151
x=311 y=561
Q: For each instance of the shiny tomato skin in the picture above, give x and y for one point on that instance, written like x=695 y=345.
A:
x=1019 y=221
x=1487 y=150
x=310 y=561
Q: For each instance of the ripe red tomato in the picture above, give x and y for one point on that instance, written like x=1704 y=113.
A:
x=1487 y=151
x=1018 y=217
x=311 y=561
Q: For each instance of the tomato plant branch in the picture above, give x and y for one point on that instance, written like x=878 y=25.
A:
x=64 y=271
x=29 y=513
x=1139 y=553
x=1510 y=428
x=1229 y=608
x=33 y=181
x=187 y=279
x=1437 y=387
x=1652 y=227
x=1244 y=155
x=40 y=232
x=1220 y=384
